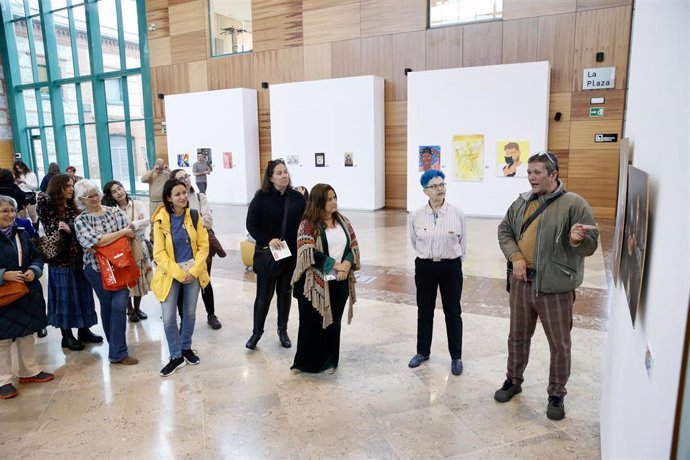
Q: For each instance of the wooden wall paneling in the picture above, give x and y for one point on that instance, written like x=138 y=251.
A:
x=159 y=52
x=482 y=44
x=187 y=17
x=593 y=174
x=377 y=59
x=308 y=5
x=614 y=104
x=444 y=48
x=396 y=113
x=154 y=5
x=559 y=131
x=264 y=9
x=276 y=24
x=264 y=139
x=192 y=46
x=331 y=24
x=556 y=44
x=279 y=66
x=198 y=76
x=172 y=79
x=317 y=61
x=161 y=142
x=606 y=30
x=520 y=40
x=178 y=2
x=582 y=134
x=232 y=72
x=517 y=9
x=160 y=17
x=346 y=58
x=396 y=166
x=6 y=154
x=409 y=52
x=383 y=17
x=595 y=4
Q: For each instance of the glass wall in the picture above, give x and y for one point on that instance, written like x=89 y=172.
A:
x=78 y=87
x=447 y=12
x=231 y=26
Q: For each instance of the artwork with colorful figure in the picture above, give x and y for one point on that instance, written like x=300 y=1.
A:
x=468 y=161
x=511 y=158
x=227 y=160
x=429 y=157
x=183 y=160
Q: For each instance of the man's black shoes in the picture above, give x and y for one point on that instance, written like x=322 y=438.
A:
x=555 y=410
x=507 y=391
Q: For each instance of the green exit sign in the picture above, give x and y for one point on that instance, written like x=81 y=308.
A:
x=596 y=112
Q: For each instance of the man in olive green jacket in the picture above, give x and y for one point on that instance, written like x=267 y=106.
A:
x=546 y=234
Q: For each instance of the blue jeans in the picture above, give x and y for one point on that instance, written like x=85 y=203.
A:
x=113 y=314
x=180 y=339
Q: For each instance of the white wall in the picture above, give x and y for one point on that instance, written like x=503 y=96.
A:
x=637 y=412
x=224 y=121
x=333 y=116
x=503 y=102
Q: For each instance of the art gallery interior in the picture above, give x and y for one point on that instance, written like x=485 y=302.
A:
x=352 y=93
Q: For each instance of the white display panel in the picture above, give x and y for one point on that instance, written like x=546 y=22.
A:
x=333 y=117
x=502 y=102
x=224 y=121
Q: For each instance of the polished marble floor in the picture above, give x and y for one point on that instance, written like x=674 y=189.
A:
x=243 y=404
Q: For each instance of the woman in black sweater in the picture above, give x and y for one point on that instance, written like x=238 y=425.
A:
x=275 y=199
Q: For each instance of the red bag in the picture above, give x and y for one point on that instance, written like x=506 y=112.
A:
x=119 y=270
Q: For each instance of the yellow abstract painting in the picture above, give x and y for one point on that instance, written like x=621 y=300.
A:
x=468 y=157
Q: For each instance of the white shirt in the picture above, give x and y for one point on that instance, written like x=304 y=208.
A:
x=438 y=235
x=138 y=216
x=337 y=240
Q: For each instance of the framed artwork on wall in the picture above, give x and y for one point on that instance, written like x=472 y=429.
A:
x=620 y=208
x=320 y=159
x=635 y=237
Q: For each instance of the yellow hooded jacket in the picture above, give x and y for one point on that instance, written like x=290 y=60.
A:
x=164 y=253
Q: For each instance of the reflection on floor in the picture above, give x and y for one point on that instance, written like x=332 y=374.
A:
x=242 y=404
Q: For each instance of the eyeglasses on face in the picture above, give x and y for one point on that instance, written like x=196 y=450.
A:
x=91 y=196
x=436 y=186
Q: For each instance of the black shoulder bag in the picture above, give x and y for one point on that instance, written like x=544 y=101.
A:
x=264 y=263
x=527 y=223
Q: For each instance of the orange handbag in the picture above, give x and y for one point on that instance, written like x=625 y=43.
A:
x=119 y=270
x=11 y=291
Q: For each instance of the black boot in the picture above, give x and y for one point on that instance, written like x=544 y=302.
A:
x=284 y=339
x=253 y=340
x=85 y=335
x=68 y=341
x=133 y=317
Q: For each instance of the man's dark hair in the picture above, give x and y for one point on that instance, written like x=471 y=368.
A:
x=549 y=159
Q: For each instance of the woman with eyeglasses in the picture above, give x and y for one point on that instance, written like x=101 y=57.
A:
x=198 y=201
x=100 y=225
x=114 y=195
x=324 y=279
x=20 y=262
x=439 y=238
x=272 y=219
x=70 y=297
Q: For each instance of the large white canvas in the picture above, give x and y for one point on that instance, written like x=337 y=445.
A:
x=333 y=116
x=502 y=102
x=224 y=121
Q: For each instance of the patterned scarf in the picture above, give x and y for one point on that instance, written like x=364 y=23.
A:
x=315 y=286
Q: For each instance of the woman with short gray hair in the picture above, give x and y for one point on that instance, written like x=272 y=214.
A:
x=20 y=262
x=99 y=226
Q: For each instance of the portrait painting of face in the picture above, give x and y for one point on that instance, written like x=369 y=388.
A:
x=511 y=158
x=429 y=157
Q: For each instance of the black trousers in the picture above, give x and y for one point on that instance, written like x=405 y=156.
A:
x=318 y=349
x=266 y=286
x=206 y=294
x=429 y=277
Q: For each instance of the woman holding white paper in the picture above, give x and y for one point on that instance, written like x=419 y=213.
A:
x=272 y=219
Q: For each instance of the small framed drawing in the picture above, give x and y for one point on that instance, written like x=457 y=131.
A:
x=320 y=159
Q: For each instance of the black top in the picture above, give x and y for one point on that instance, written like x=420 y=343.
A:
x=265 y=217
x=13 y=191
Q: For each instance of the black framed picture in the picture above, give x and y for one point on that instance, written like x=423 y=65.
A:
x=320 y=159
